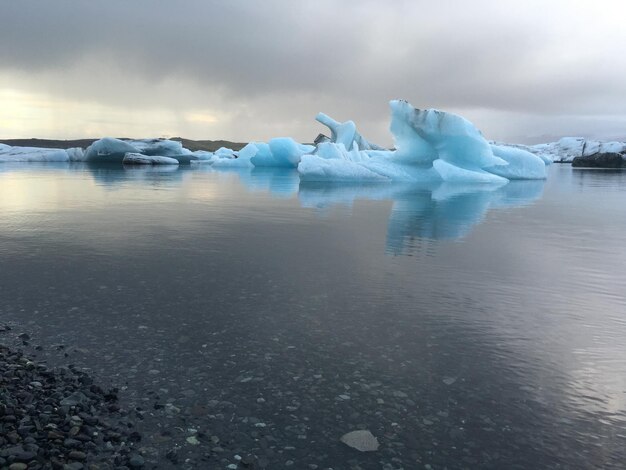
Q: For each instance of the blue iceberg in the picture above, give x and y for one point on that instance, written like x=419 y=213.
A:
x=431 y=145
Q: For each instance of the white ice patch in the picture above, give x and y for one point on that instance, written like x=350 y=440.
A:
x=140 y=159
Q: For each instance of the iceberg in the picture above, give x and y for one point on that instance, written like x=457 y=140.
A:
x=431 y=145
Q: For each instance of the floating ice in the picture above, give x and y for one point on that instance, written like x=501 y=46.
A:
x=140 y=159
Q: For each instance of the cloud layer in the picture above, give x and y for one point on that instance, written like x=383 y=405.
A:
x=253 y=70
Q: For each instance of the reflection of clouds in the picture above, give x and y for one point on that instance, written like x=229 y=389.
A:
x=28 y=187
x=419 y=213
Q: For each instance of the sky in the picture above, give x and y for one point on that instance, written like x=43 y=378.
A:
x=522 y=71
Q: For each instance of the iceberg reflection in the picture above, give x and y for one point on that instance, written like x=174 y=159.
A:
x=433 y=211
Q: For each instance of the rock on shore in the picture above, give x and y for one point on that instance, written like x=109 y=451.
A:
x=59 y=419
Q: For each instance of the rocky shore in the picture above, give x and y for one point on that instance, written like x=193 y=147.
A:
x=58 y=418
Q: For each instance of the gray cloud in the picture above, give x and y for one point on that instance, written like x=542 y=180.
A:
x=266 y=68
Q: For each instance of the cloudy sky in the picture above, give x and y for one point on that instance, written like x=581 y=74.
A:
x=522 y=71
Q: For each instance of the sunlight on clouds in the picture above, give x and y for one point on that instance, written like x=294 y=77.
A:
x=203 y=118
x=24 y=114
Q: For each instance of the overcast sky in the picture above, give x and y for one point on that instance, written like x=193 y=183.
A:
x=522 y=71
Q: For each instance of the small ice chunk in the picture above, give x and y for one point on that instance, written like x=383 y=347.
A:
x=362 y=440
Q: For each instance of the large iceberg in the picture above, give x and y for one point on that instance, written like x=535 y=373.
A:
x=431 y=145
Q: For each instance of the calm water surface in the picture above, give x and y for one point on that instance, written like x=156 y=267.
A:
x=465 y=327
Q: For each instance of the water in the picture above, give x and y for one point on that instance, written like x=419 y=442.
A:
x=465 y=327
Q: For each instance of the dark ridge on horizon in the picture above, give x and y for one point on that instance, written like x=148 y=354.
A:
x=193 y=145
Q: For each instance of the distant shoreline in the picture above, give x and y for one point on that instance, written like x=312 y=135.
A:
x=193 y=145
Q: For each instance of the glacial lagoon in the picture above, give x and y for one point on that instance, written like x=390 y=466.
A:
x=246 y=313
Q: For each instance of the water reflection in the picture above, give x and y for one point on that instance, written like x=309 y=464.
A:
x=428 y=211
x=158 y=175
x=434 y=211
x=494 y=351
x=280 y=183
x=441 y=211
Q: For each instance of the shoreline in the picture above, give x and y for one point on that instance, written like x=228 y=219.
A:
x=59 y=417
x=193 y=145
